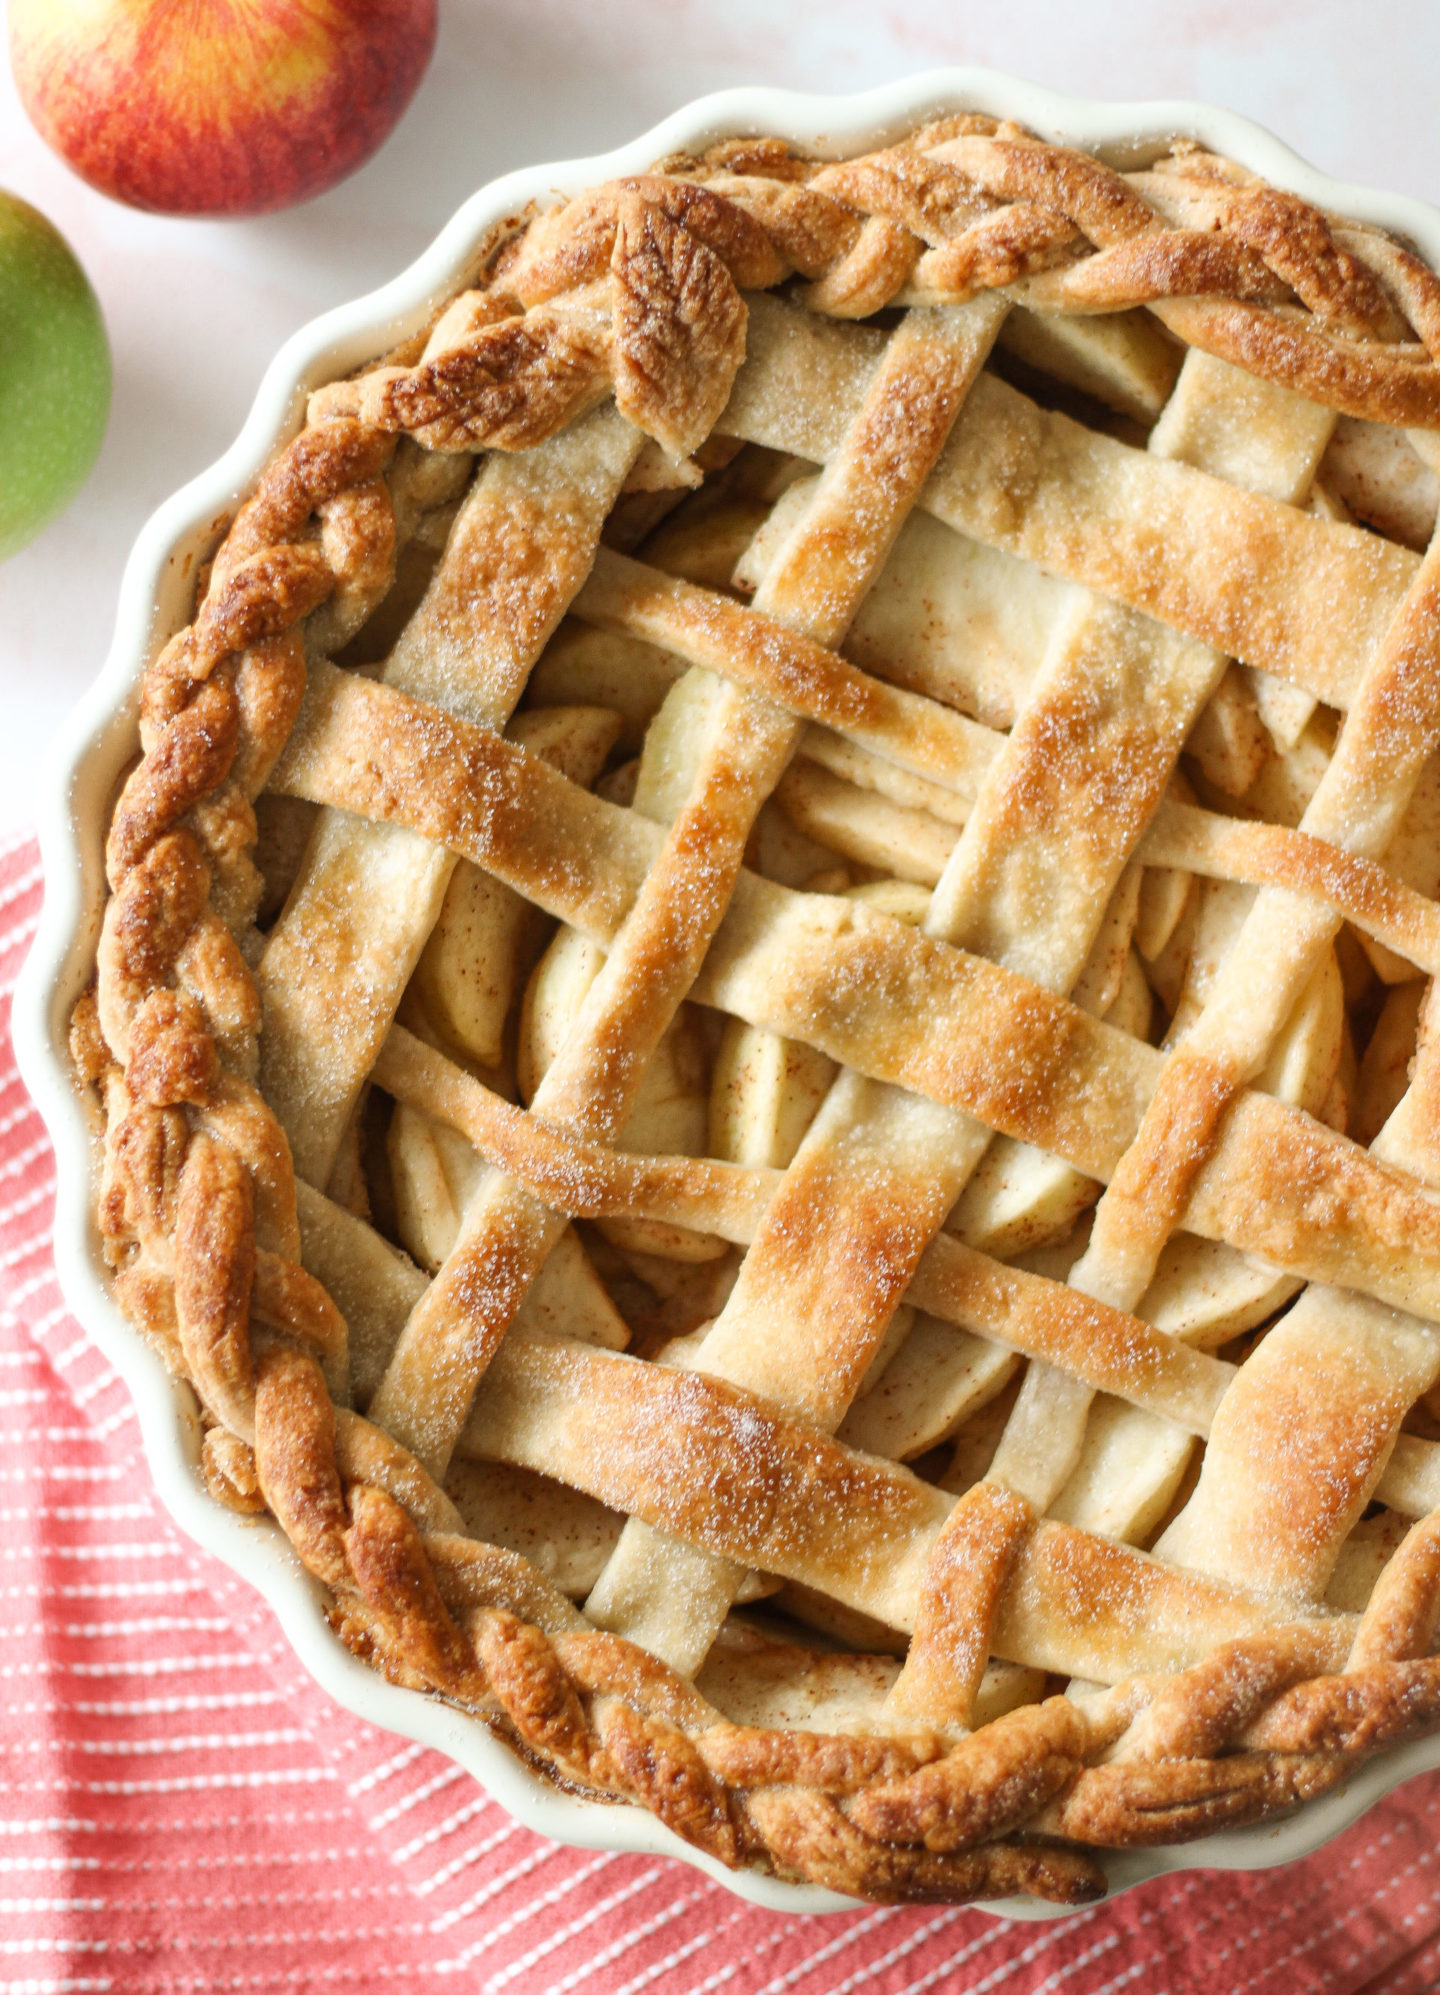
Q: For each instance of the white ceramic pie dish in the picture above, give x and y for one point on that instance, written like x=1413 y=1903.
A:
x=101 y=736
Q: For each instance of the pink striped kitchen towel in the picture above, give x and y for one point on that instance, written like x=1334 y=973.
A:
x=181 y=1808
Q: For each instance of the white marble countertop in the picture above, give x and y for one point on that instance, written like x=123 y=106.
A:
x=196 y=309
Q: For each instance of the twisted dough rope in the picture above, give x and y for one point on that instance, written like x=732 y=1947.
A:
x=885 y=1816
x=171 y=1036
x=198 y=1202
x=853 y=1813
x=1244 y=270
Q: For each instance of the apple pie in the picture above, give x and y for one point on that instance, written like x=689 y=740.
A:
x=763 y=1034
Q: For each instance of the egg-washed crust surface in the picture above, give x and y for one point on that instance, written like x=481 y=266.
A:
x=607 y=341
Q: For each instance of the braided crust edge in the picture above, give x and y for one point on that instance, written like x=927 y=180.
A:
x=634 y=290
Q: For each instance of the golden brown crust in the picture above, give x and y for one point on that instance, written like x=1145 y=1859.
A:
x=995 y=1780
x=575 y=243
x=511 y=384
x=632 y=291
x=1124 y=1807
x=295 y=1460
x=228 y=1466
x=214 y=1274
x=969 y=1569
x=664 y=1771
x=811 y=1837
x=679 y=328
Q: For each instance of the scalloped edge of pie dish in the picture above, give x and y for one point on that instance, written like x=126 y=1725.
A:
x=99 y=737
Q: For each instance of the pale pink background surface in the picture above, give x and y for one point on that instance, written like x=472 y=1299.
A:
x=196 y=309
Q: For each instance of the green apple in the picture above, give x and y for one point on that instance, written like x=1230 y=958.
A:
x=54 y=373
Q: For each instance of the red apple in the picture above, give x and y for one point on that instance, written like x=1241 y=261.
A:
x=217 y=107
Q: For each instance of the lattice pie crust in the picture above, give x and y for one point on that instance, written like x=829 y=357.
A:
x=762 y=1032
